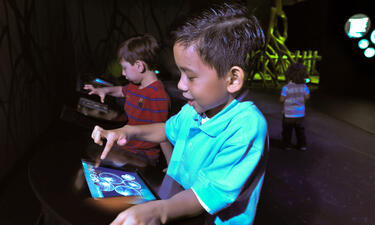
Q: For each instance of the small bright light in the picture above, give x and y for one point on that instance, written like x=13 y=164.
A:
x=157 y=71
x=372 y=37
x=362 y=44
x=369 y=52
x=307 y=80
x=357 y=25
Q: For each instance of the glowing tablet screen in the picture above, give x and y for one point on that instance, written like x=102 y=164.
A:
x=106 y=182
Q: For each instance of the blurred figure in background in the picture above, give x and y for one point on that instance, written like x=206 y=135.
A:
x=294 y=95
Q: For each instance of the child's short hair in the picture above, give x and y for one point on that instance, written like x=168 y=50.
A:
x=141 y=47
x=296 y=72
x=223 y=35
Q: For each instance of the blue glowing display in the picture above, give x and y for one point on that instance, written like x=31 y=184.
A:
x=100 y=81
x=105 y=182
x=364 y=43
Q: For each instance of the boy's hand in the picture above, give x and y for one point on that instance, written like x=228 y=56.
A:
x=148 y=213
x=97 y=91
x=112 y=136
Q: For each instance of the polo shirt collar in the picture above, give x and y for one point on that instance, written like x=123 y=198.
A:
x=215 y=125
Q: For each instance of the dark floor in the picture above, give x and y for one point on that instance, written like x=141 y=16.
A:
x=331 y=183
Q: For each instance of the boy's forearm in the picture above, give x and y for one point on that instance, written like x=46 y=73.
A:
x=184 y=204
x=150 y=132
x=167 y=150
x=115 y=91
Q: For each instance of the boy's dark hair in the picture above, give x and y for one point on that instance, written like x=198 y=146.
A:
x=296 y=72
x=141 y=47
x=223 y=36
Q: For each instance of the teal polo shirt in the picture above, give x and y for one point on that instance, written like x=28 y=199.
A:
x=212 y=158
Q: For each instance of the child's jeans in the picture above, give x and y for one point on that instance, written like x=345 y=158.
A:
x=297 y=124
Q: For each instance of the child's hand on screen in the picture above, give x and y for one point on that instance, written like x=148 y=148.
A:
x=112 y=136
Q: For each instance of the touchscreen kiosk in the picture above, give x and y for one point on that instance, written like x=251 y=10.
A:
x=106 y=182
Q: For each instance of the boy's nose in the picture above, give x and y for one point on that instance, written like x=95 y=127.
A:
x=182 y=84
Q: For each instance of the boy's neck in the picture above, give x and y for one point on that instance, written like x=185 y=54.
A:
x=212 y=112
x=149 y=77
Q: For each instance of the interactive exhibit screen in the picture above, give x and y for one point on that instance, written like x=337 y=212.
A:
x=106 y=182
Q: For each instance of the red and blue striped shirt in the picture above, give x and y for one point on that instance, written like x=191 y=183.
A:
x=144 y=106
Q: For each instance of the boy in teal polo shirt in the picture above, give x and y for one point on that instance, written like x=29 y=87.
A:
x=218 y=136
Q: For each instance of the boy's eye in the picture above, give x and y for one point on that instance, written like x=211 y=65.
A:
x=191 y=77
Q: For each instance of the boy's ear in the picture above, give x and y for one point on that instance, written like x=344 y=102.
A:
x=235 y=79
x=140 y=66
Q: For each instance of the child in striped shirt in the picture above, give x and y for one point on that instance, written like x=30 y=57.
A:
x=293 y=95
x=146 y=100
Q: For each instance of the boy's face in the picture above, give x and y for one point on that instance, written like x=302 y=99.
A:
x=131 y=72
x=200 y=84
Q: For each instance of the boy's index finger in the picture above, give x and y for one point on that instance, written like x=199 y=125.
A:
x=108 y=147
x=97 y=162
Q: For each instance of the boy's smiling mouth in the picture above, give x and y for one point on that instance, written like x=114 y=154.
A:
x=189 y=100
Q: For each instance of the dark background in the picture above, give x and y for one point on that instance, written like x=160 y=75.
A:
x=46 y=45
x=318 y=24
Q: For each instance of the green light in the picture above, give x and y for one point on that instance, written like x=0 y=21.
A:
x=372 y=37
x=157 y=71
x=257 y=77
x=307 y=80
x=362 y=44
x=314 y=79
x=369 y=52
x=114 y=69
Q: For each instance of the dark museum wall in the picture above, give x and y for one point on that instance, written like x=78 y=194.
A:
x=46 y=45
